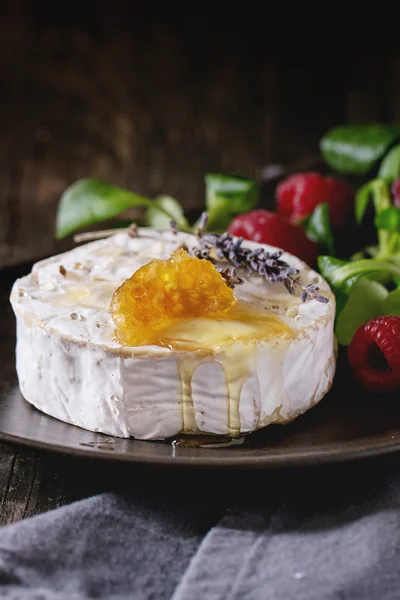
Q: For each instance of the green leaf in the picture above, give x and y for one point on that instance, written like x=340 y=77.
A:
x=362 y=199
x=341 y=296
x=318 y=227
x=366 y=301
x=358 y=255
x=378 y=191
x=328 y=265
x=218 y=219
x=392 y=303
x=162 y=210
x=356 y=148
x=389 y=219
x=90 y=201
x=240 y=193
x=342 y=274
x=227 y=196
x=390 y=165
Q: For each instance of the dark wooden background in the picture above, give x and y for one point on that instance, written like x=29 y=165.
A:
x=152 y=95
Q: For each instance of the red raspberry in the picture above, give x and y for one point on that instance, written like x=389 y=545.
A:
x=396 y=192
x=299 y=194
x=268 y=227
x=374 y=354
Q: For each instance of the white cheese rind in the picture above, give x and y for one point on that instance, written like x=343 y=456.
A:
x=73 y=370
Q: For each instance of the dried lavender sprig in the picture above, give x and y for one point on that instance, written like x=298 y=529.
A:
x=259 y=261
x=266 y=264
x=202 y=253
x=230 y=277
x=202 y=224
x=311 y=291
x=174 y=226
x=133 y=230
x=322 y=299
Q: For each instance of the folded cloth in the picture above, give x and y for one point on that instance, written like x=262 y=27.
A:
x=335 y=537
x=109 y=546
x=307 y=535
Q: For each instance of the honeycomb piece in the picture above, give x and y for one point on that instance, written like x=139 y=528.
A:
x=165 y=290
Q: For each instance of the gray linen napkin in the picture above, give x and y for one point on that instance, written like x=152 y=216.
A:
x=305 y=549
x=331 y=535
x=109 y=546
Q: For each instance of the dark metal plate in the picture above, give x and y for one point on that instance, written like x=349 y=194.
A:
x=347 y=424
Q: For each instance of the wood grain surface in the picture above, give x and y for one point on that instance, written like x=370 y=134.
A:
x=151 y=96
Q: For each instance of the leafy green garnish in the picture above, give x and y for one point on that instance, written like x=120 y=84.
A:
x=355 y=149
x=227 y=196
x=170 y=209
x=363 y=267
x=318 y=228
x=343 y=275
x=327 y=266
x=389 y=219
x=361 y=285
x=90 y=201
x=378 y=190
x=390 y=165
x=391 y=305
x=365 y=302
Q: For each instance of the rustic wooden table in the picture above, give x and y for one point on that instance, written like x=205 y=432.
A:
x=150 y=98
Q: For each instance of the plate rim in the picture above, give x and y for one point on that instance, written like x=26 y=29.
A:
x=294 y=460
